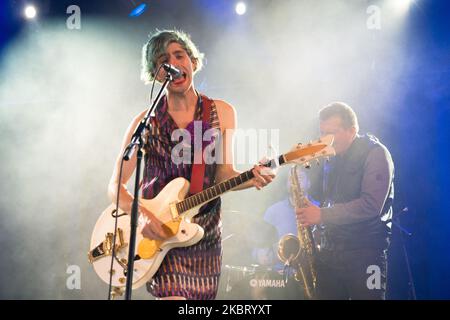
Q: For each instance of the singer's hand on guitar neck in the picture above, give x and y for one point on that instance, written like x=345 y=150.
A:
x=262 y=176
x=151 y=226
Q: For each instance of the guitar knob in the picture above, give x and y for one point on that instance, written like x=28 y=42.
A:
x=117 y=292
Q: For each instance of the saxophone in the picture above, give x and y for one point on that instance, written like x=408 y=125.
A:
x=299 y=251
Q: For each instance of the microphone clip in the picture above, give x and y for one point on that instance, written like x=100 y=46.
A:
x=172 y=71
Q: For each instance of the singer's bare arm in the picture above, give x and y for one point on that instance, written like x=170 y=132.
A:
x=226 y=169
x=126 y=198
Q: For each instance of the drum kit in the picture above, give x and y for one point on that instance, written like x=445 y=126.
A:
x=245 y=275
x=258 y=283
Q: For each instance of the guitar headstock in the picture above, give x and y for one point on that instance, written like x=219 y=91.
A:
x=304 y=153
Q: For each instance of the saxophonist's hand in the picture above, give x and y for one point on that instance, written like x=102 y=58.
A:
x=308 y=215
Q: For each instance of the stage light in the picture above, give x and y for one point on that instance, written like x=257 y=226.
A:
x=30 y=12
x=401 y=6
x=138 y=10
x=241 y=8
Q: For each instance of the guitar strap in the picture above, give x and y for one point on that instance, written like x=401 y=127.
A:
x=198 y=169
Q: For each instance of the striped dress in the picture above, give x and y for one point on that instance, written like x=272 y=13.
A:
x=192 y=272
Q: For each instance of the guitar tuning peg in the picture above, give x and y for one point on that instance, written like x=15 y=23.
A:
x=327 y=159
x=307 y=165
x=318 y=162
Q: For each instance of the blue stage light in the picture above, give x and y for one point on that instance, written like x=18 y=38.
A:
x=138 y=10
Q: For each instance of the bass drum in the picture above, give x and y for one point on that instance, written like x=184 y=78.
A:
x=253 y=283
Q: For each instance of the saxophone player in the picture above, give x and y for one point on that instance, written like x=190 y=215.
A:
x=355 y=192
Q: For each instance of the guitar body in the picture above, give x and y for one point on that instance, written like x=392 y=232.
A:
x=175 y=211
x=149 y=253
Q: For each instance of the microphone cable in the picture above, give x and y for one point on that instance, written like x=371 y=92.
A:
x=116 y=216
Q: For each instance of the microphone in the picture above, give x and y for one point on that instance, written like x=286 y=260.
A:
x=172 y=70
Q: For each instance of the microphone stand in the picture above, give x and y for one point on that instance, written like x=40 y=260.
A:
x=396 y=222
x=136 y=141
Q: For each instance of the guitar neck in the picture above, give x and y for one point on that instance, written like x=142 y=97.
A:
x=217 y=190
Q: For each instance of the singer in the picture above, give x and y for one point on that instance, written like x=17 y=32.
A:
x=189 y=272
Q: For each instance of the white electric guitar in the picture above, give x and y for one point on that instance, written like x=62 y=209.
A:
x=175 y=210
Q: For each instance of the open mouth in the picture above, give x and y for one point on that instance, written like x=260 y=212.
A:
x=180 y=79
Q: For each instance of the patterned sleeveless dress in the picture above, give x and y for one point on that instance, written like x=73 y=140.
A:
x=192 y=272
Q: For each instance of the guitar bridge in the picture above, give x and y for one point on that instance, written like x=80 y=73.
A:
x=105 y=248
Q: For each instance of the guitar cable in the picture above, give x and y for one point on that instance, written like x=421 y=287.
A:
x=116 y=216
x=115 y=213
